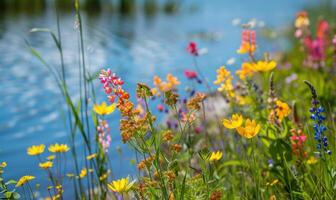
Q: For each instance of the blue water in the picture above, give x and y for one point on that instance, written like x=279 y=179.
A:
x=136 y=48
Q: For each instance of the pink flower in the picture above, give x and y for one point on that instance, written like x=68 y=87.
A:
x=190 y=74
x=160 y=107
x=192 y=49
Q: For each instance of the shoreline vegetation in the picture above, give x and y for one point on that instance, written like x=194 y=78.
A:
x=264 y=131
x=91 y=6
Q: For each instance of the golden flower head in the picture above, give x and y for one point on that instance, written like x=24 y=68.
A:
x=23 y=180
x=250 y=130
x=35 y=150
x=235 y=121
x=246 y=71
x=215 y=156
x=121 y=186
x=46 y=165
x=282 y=110
x=103 y=109
x=58 y=148
x=168 y=85
x=264 y=66
x=83 y=173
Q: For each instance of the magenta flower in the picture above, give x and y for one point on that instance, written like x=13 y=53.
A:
x=192 y=49
x=190 y=74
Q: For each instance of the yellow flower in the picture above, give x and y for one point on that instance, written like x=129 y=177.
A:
x=90 y=157
x=250 y=130
x=302 y=20
x=58 y=148
x=172 y=80
x=282 y=110
x=164 y=86
x=121 y=186
x=83 y=173
x=51 y=157
x=264 y=66
x=23 y=180
x=312 y=160
x=224 y=79
x=3 y=164
x=46 y=165
x=246 y=70
x=222 y=75
x=103 y=109
x=235 y=122
x=215 y=156
x=35 y=150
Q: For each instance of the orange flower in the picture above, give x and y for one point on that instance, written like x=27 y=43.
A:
x=246 y=71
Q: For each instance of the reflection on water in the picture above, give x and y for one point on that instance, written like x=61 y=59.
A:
x=136 y=47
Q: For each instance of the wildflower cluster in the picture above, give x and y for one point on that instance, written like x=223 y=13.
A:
x=315 y=47
x=112 y=85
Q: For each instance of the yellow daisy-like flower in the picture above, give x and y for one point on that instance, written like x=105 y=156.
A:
x=90 y=157
x=235 y=121
x=58 y=148
x=215 y=156
x=250 y=130
x=83 y=173
x=246 y=71
x=121 y=186
x=23 y=180
x=35 y=150
x=46 y=165
x=103 y=109
x=264 y=66
x=282 y=110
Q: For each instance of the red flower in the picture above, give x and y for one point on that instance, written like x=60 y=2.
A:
x=322 y=29
x=192 y=49
x=190 y=74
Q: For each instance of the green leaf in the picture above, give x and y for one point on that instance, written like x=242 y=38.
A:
x=11 y=182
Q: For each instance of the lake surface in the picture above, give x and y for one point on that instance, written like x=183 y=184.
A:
x=135 y=47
